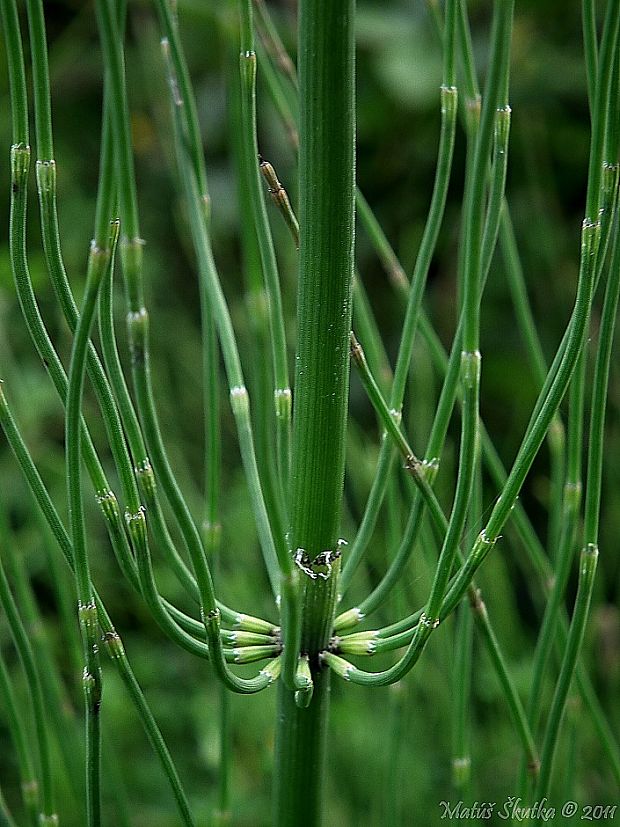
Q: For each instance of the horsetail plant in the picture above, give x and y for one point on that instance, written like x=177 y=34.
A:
x=293 y=437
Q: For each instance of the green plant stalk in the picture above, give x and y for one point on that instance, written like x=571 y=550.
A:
x=588 y=10
x=371 y=513
x=282 y=391
x=517 y=712
x=327 y=90
x=131 y=243
x=462 y=670
x=587 y=571
x=564 y=554
x=600 y=382
x=398 y=739
x=472 y=96
x=364 y=322
x=368 y=643
x=420 y=472
x=461 y=688
x=444 y=408
x=211 y=527
x=143 y=469
x=497 y=187
x=605 y=732
x=184 y=92
x=47 y=805
x=115 y=649
x=131 y=251
x=60 y=711
x=105 y=205
x=498 y=474
x=284 y=106
x=175 y=56
x=449 y=99
x=540 y=423
x=99 y=260
x=210 y=292
x=19 y=737
x=387 y=256
x=222 y=813
x=17 y=76
x=6 y=819
x=185 y=632
x=260 y=373
x=306 y=750
x=212 y=538
x=41 y=82
x=548 y=627
x=531 y=543
x=273 y=41
x=529 y=334
x=502 y=122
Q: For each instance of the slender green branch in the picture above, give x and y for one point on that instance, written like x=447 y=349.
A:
x=587 y=570
x=99 y=260
x=21 y=743
x=461 y=688
x=600 y=382
x=282 y=391
x=47 y=805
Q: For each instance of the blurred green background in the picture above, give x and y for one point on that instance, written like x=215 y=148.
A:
x=399 y=72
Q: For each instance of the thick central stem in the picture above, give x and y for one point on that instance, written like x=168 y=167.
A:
x=326 y=212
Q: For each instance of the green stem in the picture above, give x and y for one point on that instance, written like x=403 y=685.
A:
x=327 y=187
x=47 y=808
x=587 y=570
x=19 y=737
x=99 y=260
x=282 y=391
x=461 y=688
x=599 y=397
x=299 y=778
